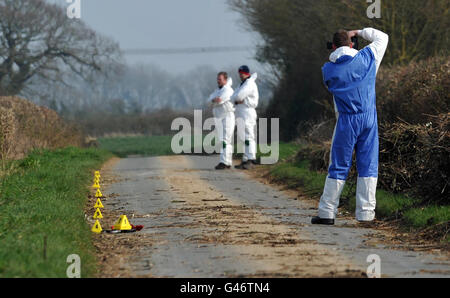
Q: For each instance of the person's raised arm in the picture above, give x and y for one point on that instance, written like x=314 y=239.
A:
x=379 y=42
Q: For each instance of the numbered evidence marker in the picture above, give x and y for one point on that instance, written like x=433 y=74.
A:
x=122 y=223
x=74 y=269
x=97 y=228
x=98 y=204
x=98 y=214
x=98 y=194
x=96 y=184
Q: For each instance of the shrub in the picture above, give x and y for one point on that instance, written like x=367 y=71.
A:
x=25 y=126
x=415 y=91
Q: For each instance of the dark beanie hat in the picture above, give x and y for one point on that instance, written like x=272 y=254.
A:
x=244 y=69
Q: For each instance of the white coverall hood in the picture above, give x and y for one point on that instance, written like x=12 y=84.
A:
x=248 y=93
x=342 y=51
x=253 y=77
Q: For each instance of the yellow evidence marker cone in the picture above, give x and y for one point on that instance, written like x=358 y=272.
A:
x=122 y=223
x=96 y=184
x=98 y=214
x=98 y=194
x=97 y=228
x=99 y=204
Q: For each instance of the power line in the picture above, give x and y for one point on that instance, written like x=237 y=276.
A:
x=197 y=50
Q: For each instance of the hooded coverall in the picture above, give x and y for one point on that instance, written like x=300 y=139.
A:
x=350 y=77
x=246 y=115
x=224 y=118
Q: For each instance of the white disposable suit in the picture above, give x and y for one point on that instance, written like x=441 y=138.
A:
x=223 y=112
x=246 y=115
x=350 y=76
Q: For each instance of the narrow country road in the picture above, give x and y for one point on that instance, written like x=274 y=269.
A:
x=208 y=223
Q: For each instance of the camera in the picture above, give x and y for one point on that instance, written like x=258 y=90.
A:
x=354 y=41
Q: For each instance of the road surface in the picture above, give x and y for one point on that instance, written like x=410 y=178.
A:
x=208 y=223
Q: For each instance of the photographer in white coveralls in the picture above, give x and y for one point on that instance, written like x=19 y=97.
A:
x=246 y=99
x=223 y=112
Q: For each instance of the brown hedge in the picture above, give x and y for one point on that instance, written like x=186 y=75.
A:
x=25 y=126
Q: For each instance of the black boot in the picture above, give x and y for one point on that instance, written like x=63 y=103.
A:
x=322 y=221
x=254 y=161
x=222 y=166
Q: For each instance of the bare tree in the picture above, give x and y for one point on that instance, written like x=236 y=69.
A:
x=38 y=39
x=417 y=29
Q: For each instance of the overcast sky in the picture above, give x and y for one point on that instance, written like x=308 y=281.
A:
x=150 y=24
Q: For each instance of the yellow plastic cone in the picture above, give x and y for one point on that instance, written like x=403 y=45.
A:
x=98 y=194
x=98 y=204
x=97 y=228
x=98 y=214
x=122 y=223
x=96 y=185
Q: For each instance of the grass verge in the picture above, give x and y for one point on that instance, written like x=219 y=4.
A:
x=297 y=174
x=44 y=198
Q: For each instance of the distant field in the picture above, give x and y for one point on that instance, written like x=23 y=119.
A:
x=161 y=145
x=137 y=145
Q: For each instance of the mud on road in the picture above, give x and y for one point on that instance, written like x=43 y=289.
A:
x=205 y=223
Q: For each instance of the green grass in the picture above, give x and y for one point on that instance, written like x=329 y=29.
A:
x=286 y=150
x=139 y=145
x=297 y=174
x=45 y=197
x=161 y=145
x=389 y=205
x=430 y=215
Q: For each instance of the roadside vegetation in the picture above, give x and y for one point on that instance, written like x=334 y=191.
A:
x=296 y=172
x=25 y=126
x=413 y=100
x=43 y=198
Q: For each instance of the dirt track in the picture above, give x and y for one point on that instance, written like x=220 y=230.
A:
x=205 y=223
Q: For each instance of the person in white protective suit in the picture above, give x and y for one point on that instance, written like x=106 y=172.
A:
x=246 y=98
x=350 y=77
x=223 y=111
